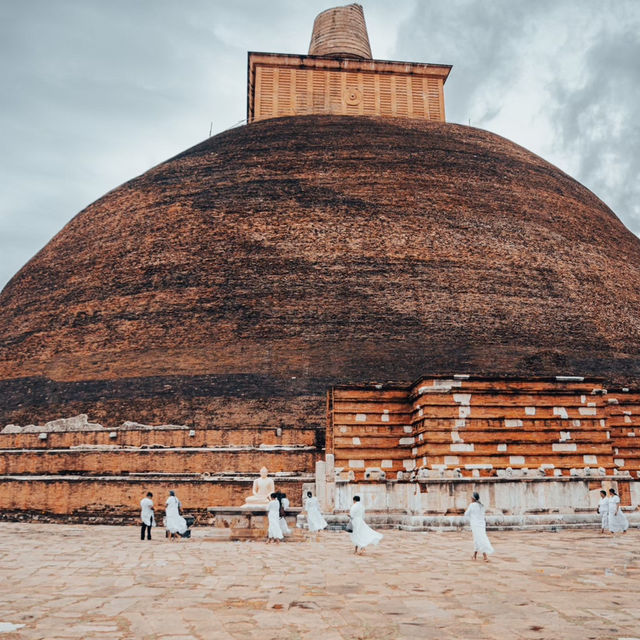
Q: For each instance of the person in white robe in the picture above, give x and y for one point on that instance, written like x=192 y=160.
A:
x=315 y=520
x=603 y=510
x=284 y=503
x=362 y=534
x=617 y=519
x=274 y=533
x=477 y=522
x=146 y=515
x=174 y=523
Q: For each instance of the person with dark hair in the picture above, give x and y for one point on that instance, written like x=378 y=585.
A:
x=603 y=510
x=617 y=520
x=315 y=521
x=362 y=534
x=284 y=505
x=475 y=513
x=274 y=533
x=146 y=515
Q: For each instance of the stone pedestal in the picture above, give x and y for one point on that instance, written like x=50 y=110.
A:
x=242 y=523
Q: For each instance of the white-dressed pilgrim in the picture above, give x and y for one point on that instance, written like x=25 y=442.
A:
x=478 y=524
x=273 y=515
x=362 y=534
x=617 y=520
x=284 y=502
x=315 y=520
x=174 y=523
x=603 y=510
x=146 y=515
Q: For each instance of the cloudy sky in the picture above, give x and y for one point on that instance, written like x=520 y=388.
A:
x=95 y=92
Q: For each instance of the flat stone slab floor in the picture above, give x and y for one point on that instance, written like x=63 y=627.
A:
x=90 y=582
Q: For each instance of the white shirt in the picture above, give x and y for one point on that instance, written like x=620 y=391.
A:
x=146 y=515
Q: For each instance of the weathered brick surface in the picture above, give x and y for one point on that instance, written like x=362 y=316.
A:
x=272 y=260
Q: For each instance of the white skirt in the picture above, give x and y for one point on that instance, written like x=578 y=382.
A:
x=315 y=520
x=175 y=523
x=481 y=542
x=285 y=527
x=362 y=534
x=605 y=520
x=618 y=522
x=275 y=531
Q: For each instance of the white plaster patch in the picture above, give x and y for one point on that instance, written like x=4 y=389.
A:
x=8 y=627
x=420 y=412
x=409 y=465
x=626 y=413
x=384 y=417
x=192 y=433
x=591 y=404
x=516 y=459
x=361 y=417
x=406 y=441
x=356 y=464
x=461 y=447
x=513 y=423
x=631 y=434
x=424 y=460
x=460 y=376
x=414 y=451
x=343 y=429
x=455 y=437
x=460 y=423
x=385 y=411
x=502 y=447
x=587 y=411
x=386 y=464
x=355 y=440
x=619 y=462
x=608 y=435
x=439 y=467
x=530 y=411
x=421 y=437
x=462 y=398
x=565 y=435
x=451 y=460
x=583 y=399
x=407 y=428
x=627 y=419
x=564 y=446
x=43 y=436
x=546 y=465
x=590 y=459
x=560 y=411
x=464 y=411
x=478 y=466
x=557 y=472
x=475 y=473
x=602 y=422
x=576 y=423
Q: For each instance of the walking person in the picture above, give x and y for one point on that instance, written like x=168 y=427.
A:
x=146 y=515
x=274 y=533
x=477 y=522
x=315 y=520
x=284 y=506
x=174 y=523
x=362 y=534
x=617 y=520
x=603 y=510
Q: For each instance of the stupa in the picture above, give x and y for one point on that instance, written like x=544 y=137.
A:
x=347 y=234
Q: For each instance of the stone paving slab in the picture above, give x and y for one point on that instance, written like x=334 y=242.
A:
x=72 y=582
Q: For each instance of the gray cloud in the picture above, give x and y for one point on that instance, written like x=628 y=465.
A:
x=97 y=92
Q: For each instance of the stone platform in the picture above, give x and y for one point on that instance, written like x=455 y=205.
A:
x=75 y=582
x=242 y=523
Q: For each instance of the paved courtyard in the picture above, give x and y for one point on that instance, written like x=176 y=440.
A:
x=100 y=582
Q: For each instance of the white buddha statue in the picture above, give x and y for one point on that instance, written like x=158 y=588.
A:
x=261 y=492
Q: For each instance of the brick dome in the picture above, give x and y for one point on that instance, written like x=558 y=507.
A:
x=236 y=281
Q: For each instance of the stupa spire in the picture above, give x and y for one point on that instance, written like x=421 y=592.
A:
x=341 y=32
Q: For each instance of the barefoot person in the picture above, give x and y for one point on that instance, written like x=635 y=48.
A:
x=475 y=513
x=603 y=510
x=362 y=534
x=174 y=523
x=146 y=515
x=315 y=521
x=274 y=534
x=617 y=520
